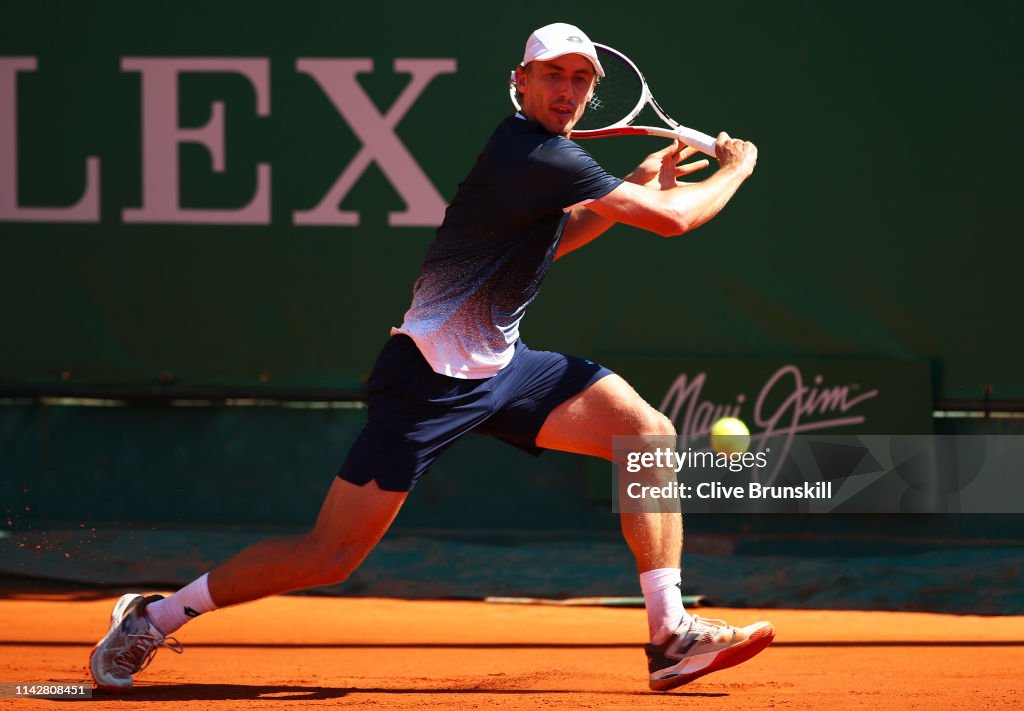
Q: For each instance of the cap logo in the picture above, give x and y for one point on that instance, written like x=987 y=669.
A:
x=574 y=38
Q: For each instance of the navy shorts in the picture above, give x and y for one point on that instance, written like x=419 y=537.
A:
x=415 y=414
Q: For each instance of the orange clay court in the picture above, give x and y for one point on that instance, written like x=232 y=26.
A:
x=313 y=652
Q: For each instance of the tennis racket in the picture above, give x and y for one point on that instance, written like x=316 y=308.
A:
x=618 y=99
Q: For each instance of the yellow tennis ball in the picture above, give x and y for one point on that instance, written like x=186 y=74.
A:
x=729 y=435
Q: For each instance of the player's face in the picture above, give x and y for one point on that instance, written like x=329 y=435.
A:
x=555 y=93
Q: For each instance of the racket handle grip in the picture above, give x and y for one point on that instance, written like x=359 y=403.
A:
x=696 y=139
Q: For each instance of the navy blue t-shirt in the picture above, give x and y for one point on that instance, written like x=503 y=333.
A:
x=495 y=246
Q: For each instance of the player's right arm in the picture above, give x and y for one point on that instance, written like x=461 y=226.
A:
x=681 y=208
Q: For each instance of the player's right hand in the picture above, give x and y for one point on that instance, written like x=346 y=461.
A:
x=736 y=154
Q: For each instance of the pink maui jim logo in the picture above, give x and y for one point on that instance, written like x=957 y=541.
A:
x=804 y=407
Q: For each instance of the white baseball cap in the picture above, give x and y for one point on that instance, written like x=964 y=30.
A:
x=557 y=39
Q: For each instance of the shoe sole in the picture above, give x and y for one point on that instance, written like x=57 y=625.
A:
x=754 y=644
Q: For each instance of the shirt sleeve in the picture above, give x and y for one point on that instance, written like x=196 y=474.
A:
x=565 y=175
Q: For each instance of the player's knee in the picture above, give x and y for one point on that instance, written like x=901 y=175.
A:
x=651 y=423
x=332 y=575
x=651 y=431
x=658 y=424
x=330 y=563
x=327 y=572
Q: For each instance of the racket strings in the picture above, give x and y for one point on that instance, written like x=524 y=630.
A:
x=617 y=95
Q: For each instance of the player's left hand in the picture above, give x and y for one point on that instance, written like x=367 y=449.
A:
x=662 y=169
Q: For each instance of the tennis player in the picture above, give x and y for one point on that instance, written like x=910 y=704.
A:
x=457 y=364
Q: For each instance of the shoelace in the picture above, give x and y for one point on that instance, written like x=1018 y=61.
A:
x=713 y=630
x=709 y=621
x=138 y=650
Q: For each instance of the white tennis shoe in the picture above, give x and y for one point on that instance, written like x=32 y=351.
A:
x=129 y=645
x=703 y=646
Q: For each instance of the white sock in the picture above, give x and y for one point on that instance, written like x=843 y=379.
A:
x=664 y=600
x=172 y=612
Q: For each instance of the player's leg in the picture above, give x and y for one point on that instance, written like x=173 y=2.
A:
x=683 y=647
x=413 y=415
x=585 y=424
x=351 y=521
x=552 y=401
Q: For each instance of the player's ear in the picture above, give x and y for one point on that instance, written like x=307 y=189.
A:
x=521 y=79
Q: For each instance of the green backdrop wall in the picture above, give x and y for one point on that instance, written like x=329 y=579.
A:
x=881 y=222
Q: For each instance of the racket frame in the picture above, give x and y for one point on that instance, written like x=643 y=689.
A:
x=623 y=127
